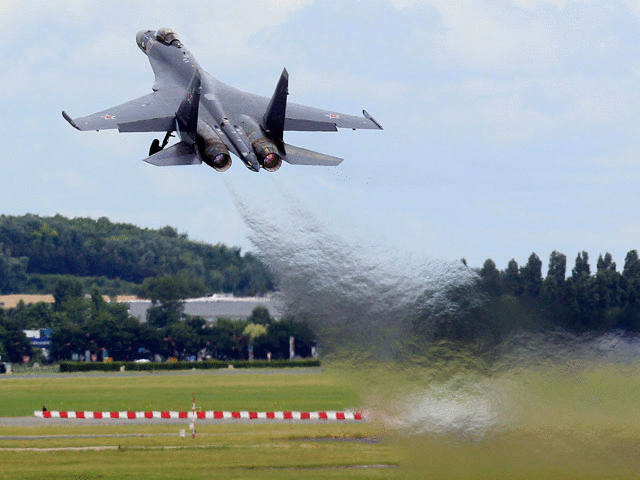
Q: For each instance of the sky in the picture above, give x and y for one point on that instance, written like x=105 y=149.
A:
x=510 y=127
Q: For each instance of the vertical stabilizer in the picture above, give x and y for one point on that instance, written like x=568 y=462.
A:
x=277 y=109
x=187 y=114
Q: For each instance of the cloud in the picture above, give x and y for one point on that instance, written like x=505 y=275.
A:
x=529 y=34
x=481 y=33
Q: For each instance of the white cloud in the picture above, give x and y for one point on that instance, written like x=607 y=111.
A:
x=532 y=4
x=634 y=5
x=511 y=34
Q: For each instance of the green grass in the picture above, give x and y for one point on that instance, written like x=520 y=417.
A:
x=146 y=391
x=220 y=451
x=556 y=422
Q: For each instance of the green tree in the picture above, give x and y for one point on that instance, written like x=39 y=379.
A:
x=67 y=339
x=581 y=286
x=38 y=315
x=553 y=289
x=511 y=279
x=582 y=268
x=531 y=275
x=631 y=276
x=630 y=285
x=167 y=294
x=225 y=340
x=13 y=273
x=67 y=290
x=15 y=342
x=260 y=315
x=254 y=330
x=607 y=294
x=557 y=267
x=490 y=278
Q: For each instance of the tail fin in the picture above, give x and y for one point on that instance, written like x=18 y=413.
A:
x=187 y=114
x=275 y=115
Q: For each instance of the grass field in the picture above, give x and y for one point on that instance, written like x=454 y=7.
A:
x=261 y=391
x=544 y=422
x=251 y=450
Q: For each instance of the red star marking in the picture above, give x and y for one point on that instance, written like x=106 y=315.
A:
x=109 y=117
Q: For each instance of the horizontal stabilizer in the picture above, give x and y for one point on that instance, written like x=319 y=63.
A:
x=178 y=154
x=302 y=156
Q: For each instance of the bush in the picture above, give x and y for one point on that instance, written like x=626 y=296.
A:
x=206 y=365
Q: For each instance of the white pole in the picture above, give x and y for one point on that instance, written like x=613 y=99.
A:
x=193 y=416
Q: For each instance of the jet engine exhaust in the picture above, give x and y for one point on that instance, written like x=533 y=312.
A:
x=266 y=151
x=212 y=150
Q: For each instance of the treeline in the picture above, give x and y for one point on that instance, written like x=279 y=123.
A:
x=582 y=300
x=35 y=251
x=81 y=324
x=502 y=304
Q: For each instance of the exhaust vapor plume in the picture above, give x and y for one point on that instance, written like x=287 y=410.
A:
x=349 y=293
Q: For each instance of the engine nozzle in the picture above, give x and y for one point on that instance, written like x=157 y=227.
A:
x=266 y=151
x=212 y=150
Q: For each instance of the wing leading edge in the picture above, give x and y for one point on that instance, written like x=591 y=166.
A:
x=154 y=112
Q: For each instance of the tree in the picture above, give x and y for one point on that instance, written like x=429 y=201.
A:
x=511 y=280
x=182 y=340
x=582 y=268
x=38 y=315
x=631 y=277
x=15 y=342
x=66 y=290
x=100 y=248
x=581 y=287
x=225 y=340
x=557 y=267
x=260 y=315
x=13 y=273
x=531 y=275
x=67 y=339
x=553 y=289
x=254 y=330
x=490 y=278
x=167 y=294
x=607 y=294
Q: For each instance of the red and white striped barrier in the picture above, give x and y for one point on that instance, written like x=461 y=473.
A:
x=208 y=415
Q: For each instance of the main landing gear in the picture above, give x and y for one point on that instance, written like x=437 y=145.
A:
x=155 y=145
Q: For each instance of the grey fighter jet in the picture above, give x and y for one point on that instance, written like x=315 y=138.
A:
x=213 y=119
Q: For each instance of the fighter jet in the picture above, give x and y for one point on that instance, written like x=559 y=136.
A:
x=212 y=119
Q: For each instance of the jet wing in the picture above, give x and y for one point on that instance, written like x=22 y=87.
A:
x=297 y=117
x=309 y=119
x=154 y=112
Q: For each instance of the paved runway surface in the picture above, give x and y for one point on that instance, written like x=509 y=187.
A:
x=41 y=422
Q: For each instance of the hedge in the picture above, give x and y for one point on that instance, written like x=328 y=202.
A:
x=206 y=365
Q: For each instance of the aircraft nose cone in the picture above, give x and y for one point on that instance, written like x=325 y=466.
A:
x=142 y=37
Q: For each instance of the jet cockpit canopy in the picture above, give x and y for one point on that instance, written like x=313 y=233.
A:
x=167 y=36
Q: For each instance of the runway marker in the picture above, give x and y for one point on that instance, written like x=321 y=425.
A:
x=348 y=415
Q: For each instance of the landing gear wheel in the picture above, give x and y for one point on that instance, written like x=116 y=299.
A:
x=155 y=147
